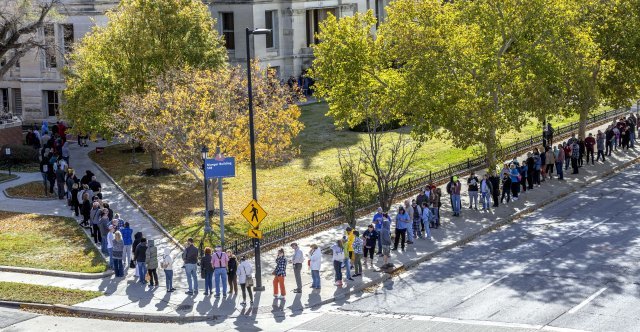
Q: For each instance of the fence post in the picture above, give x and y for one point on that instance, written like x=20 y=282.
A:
x=468 y=163
x=430 y=179
x=450 y=169
x=531 y=141
x=313 y=217
x=235 y=247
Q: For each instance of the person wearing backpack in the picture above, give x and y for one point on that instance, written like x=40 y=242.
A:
x=245 y=279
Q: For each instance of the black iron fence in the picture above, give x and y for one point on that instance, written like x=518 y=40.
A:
x=320 y=220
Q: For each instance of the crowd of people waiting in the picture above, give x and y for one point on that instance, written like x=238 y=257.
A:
x=414 y=219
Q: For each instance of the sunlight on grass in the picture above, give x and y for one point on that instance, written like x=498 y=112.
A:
x=19 y=292
x=46 y=242
x=283 y=191
x=33 y=189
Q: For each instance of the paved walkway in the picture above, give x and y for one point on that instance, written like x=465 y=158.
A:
x=123 y=295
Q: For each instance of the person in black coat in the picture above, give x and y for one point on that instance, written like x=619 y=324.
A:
x=140 y=256
x=495 y=183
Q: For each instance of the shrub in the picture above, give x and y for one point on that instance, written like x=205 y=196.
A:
x=21 y=154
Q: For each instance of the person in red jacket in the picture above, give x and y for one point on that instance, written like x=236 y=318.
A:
x=589 y=144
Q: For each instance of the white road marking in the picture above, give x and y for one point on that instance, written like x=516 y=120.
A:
x=585 y=302
x=484 y=288
x=471 y=322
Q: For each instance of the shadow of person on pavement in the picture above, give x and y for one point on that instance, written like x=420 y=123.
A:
x=296 y=306
x=314 y=299
x=278 y=310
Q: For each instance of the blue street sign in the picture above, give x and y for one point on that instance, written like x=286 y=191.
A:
x=225 y=168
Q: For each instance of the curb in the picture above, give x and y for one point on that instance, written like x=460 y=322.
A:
x=140 y=208
x=55 y=273
x=144 y=317
x=27 y=198
x=11 y=179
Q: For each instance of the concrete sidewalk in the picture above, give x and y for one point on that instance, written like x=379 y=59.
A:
x=122 y=295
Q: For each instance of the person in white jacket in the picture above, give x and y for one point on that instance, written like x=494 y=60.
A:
x=167 y=266
x=245 y=279
x=315 y=261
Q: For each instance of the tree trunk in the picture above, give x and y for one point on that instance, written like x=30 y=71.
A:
x=155 y=158
x=492 y=151
x=582 y=127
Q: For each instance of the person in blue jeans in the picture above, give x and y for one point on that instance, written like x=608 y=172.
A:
x=207 y=271
x=315 y=262
x=190 y=257
x=220 y=261
x=456 y=187
x=377 y=222
x=346 y=262
x=560 y=159
x=167 y=265
x=140 y=257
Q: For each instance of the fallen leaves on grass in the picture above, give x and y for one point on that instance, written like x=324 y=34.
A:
x=47 y=242
x=20 y=292
x=33 y=189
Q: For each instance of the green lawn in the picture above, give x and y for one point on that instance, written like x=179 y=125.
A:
x=284 y=191
x=46 y=242
x=19 y=292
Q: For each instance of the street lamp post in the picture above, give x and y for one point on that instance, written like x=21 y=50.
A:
x=252 y=138
x=207 y=222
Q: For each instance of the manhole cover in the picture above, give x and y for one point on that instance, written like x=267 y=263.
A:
x=184 y=307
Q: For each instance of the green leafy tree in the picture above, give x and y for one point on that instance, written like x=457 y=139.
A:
x=143 y=40
x=478 y=69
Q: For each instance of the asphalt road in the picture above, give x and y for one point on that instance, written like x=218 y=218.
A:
x=573 y=264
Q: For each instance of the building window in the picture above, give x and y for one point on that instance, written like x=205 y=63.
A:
x=50 y=46
x=314 y=17
x=4 y=100
x=271 y=23
x=226 y=27
x=17 y=101
x=53 y=102
x=67 y=37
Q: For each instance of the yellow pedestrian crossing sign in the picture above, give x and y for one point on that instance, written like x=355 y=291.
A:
x=255 y=233
x=254 y=213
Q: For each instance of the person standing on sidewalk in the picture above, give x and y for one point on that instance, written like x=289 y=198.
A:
x=515 y=181
x=589 y=144
x=472 y=184
x=435 y=204
x=456 y=188
x=141 y=259
x=190 y=258
x=151 y=261
x=117 y=253
x=427 y=219
x=485 y=189
x=409 y=209
x=385 y=238
x=575 y=157
x=495 y=184
x=567 y=155
x=232 y=270
x=206 y=271
x=94 y=215
x=348 y=251
x=110 y=238
x=377 y=222
x=506 y=187
x=338 y=257
x=126 y=232
x=315 y=262
x=220 y=262
x=402 y=220
x=609 y=136
x=357 y=252
x=136 y=242
x=416 y=216
x=167 y=267
x=296 y=260
x=279 y=274
x=600 y=143
x=560 y=157
x=245 y=278
x=371 y=237
x=550 y=161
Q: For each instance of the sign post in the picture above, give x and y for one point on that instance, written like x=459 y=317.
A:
x=220 y=167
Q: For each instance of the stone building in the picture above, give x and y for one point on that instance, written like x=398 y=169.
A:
x=33 y=88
